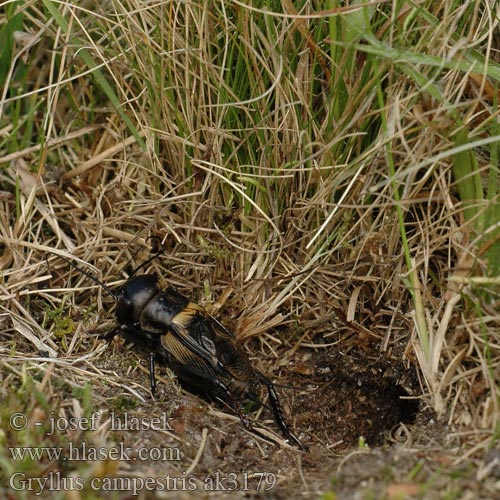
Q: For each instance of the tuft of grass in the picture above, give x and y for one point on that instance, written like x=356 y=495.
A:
x=327 y=166
x=31 y=443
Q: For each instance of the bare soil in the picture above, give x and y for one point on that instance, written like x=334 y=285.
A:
x=358 y=410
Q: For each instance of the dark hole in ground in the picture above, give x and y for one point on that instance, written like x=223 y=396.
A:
x=339 y=397
x=408 y=408
x=350 y=396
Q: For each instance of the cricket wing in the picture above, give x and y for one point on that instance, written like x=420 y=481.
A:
x=190 y=328
x=185 y=356
x=219 y=329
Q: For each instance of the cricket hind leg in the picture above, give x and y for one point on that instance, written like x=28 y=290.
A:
x=210 y=386
x=278 y=412
x=207 y=386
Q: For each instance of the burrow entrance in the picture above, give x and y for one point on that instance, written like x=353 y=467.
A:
x=344 y=397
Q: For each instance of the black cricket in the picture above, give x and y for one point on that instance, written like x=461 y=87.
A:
x=201 y=352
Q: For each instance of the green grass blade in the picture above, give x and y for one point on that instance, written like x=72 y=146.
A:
x=96 y=73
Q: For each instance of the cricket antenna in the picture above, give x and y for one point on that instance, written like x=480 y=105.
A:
x=158 y=251
x=90 y=276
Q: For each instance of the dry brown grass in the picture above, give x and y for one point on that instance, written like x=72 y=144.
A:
x=310 y=215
